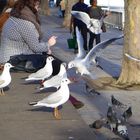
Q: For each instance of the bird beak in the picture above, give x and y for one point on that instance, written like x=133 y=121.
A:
x=12 y=66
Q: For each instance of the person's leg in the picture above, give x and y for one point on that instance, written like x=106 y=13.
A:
x=76 y=103
x=84 y=34
x=98 y=39
x=91 y=40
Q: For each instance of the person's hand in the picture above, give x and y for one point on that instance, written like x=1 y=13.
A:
x=52 y=41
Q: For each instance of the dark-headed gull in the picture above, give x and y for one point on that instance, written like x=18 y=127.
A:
x=82 y=65
x=44 y=72
x=55 y=81
x=56 y=99
x=5 y=77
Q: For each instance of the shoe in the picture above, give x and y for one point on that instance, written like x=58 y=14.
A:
x=78 y=104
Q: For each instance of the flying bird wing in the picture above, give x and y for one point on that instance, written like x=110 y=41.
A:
x=94 y=25
x=97 y=49
x=80 y=42
x=84 y=17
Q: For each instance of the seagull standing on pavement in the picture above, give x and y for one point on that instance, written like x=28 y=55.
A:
x=55 y=81
x=5 y=77
x=44 y=72
x=56 y=99
x=83 y=64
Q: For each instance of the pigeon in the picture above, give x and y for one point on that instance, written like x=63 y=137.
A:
x=94 y=25
x=117 y=103
x=82 y=65
x=55 y=81
x=121 y=130
x=127 y=114
x=112 y=119
x=56 y=99
x=98 y=123
x=5 y=77
x=42 y=73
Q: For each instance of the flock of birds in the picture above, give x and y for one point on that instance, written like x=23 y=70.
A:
x=117 y=118
x=61 y=81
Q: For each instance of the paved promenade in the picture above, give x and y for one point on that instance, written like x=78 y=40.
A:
x=19 y=121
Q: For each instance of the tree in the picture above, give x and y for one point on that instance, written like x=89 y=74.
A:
x=69 y=4
x=44 y=7
x=130 y=74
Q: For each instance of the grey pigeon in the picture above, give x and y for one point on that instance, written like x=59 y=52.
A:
x=127 y=114
x=98 y=124
x=116 y=102
x=122 y=131
x=112 y=118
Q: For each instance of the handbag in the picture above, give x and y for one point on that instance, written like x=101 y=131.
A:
x=72 y=42
x=103 y=27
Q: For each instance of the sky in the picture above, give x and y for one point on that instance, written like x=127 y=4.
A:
x=118 y=3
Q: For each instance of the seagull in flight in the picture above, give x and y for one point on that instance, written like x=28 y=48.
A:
x=83 y=64
x=94 y=25
x=5 y=77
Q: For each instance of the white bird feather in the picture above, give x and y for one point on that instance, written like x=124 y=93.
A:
x=57 y=98
x=55 y=81
x=5 y=77
x=44 y=72
x=82 y=65
x=94 y=25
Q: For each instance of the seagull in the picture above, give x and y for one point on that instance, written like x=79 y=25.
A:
x=55 y=81
x=82 y=65
x=56 y=99
x=94 y=25
x=117 y=103
x=44 y=72
x=127 y=114
x=5 y=77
